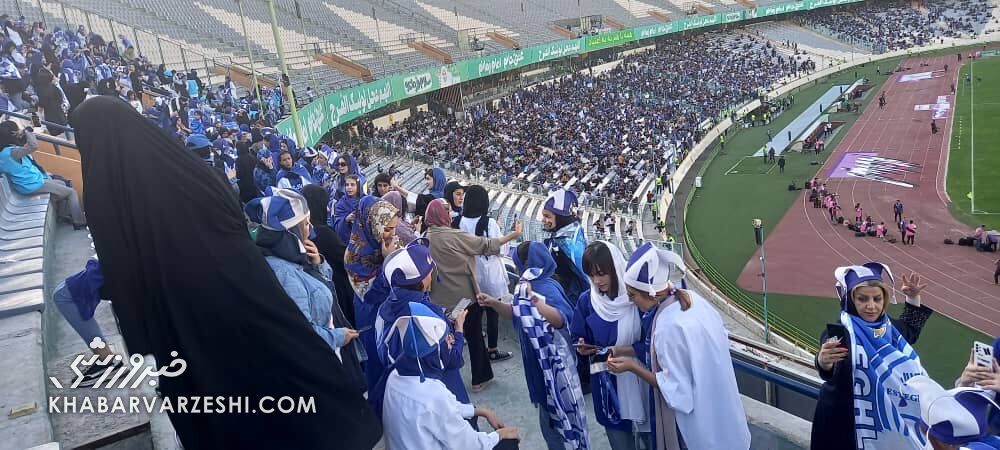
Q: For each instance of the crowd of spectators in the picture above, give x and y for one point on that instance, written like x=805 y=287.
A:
x=627 y=122
x=50 y=72
x=960 y=16
x=896 y=25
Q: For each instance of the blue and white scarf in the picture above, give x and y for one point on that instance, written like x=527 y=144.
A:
x=886 y=410
x=564 y=397
x=8 y=70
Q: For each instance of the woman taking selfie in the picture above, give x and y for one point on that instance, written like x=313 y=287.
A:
x=846 y=416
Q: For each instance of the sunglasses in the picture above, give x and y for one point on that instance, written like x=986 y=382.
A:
x=342 y=164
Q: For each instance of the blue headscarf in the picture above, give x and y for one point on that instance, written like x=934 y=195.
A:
x=344 y=207
x=363 y=258
x=352 y=169
x=70 y=73
x=297 y=176
x=440 y=181
x=540 y=258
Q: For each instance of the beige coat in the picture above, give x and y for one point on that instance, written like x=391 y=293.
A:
x=454 y=252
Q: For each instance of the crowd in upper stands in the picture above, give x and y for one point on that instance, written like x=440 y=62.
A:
x=52 y=71
x=895 y=25
x=628 y=122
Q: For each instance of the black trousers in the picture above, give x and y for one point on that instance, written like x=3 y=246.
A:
x=492 y=327
x=479 y=358
x=507 y=444
x=897 y=216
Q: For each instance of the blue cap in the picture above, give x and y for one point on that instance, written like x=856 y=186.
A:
x=424 y=331
x=850 y=277
x=198 y=141
x=409 y=265
x=561 y=202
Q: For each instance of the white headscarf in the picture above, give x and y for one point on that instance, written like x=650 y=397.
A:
x=624 y=313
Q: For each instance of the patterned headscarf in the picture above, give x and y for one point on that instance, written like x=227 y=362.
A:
x=438 y=213
x=363 y=258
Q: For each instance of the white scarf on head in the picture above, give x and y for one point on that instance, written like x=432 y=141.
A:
x=632 y=396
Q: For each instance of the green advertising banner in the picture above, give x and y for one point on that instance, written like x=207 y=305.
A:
x=613 y=38
x=341 y=107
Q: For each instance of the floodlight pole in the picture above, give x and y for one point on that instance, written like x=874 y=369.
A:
x=758 y=228
x=300 y=138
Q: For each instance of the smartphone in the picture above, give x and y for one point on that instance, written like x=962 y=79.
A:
x=837 y=331
x=599 y=360
x=462 y=304
x=983 y=354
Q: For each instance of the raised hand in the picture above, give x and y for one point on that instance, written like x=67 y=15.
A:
x=911 y=285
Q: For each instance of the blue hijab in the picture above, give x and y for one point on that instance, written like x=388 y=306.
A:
x=295 y=176
x=344 y=207
x=352 y=169
x=540 y=258
x=440 y=181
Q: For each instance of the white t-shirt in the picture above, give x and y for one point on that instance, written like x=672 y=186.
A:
x=490 y=272
x=426 y=416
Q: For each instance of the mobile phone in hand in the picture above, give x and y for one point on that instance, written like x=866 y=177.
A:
x=599 y=360
x=837 y=331
x=983 y=354
x=461 y=306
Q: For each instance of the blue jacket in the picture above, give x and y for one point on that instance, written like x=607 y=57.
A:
x=311 y=296
x=593 y=329
x=263 y=178
x=24 y=175
x=570 y=242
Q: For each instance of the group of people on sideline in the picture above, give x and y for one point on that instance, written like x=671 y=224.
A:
x=863 y=224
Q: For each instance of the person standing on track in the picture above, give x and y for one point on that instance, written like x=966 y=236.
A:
x=881 y=101
x=781 y=164
x=858 y=214
x=996 y=273
x=897 y=211
x=934 y=127
x=909 y=232
x=834 y=209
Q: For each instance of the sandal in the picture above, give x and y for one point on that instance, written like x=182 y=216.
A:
x=477 y=388
x=497 y=356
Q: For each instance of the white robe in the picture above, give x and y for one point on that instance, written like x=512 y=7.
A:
x=427 y=416
x=697 y=378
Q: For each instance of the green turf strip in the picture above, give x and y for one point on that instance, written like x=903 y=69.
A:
x=719 y=214
x=976 y=134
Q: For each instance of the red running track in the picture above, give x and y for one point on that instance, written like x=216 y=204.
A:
x=805 y=248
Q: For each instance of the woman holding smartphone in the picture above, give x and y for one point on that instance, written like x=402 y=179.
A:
x=454 y=251
x=604 y=317
x=866 y=330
